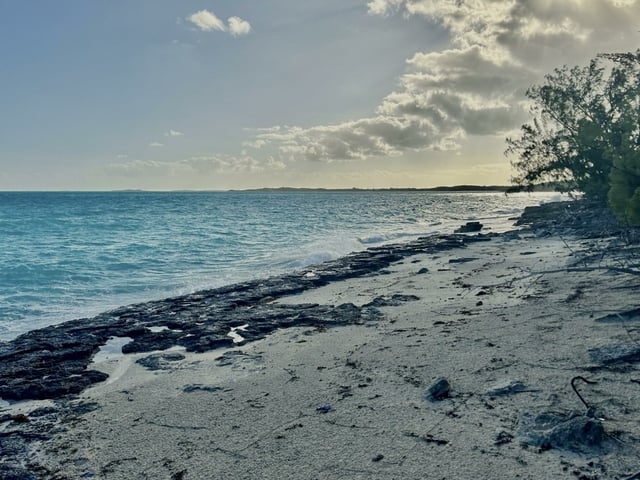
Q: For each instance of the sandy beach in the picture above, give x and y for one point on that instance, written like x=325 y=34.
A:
x=510 y=322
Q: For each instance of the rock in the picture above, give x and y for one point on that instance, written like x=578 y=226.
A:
x=506 y=387
x=150 y=341
x=160 y=361
x=203 y=388
x=469 y=227
x=439 y=390
x=52 y=362
x=15 y=472
x=613 y=354
x=582 y=217
x=553 y=430
x=422 y=271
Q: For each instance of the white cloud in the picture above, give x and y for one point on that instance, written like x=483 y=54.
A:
x=206 y=21
x=498 y=48
x=384 y=7
x=122 y=156
x=173 y=133
x=238 y=26
x=156 y=144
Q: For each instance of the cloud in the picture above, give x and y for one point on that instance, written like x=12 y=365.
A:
x=475 y=87
x=208 y=21
x=238 y=26
x=173 y=133
x=156 y=144
x=384 y=7
x=376 y=136
x=200 y=165
x=122 y=156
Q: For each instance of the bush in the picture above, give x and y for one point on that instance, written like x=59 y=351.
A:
x=585 y=132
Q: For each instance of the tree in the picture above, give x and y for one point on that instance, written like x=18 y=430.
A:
x=579 y=123
x=624 y=192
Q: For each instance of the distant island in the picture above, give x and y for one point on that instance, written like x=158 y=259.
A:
x=445 y=188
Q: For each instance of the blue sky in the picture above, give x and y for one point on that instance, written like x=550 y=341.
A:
x=182 y=94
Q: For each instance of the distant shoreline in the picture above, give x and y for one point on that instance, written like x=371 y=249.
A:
x=443 y=188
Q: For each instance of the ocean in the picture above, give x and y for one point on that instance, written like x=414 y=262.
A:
x=67 y=255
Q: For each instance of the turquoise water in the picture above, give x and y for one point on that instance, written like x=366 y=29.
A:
x=70 y=255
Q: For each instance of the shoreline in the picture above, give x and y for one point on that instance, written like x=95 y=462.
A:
x=325 y=391
x=90 y=272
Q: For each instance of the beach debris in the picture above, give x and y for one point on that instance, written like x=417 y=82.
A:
x=573 y=386
x=160 y=361
x=502 y=437
x=439 y=390
x=575 y=295
x=345 y=391
x=613 y=354
x=428 y=438
x=506 y=387
x=462 y=259
x=198 y=387
x=392 y=301
x=629 y=315
x=179 y=475
x=469 y=227
x=556 y=430
x=324 y=408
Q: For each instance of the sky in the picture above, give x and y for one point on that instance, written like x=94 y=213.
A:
x=235 y=94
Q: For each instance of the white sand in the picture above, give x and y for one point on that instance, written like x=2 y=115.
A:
x=263 y=422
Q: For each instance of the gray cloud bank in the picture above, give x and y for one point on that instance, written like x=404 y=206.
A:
x=476 y=87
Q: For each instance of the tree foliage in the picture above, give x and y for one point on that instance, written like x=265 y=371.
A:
x=624 y=191
x=582 y=121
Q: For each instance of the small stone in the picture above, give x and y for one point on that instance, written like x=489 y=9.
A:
x=439 y=390
x=324 y=408
x=377 y=458
x=469 y=227
x=160 y=361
